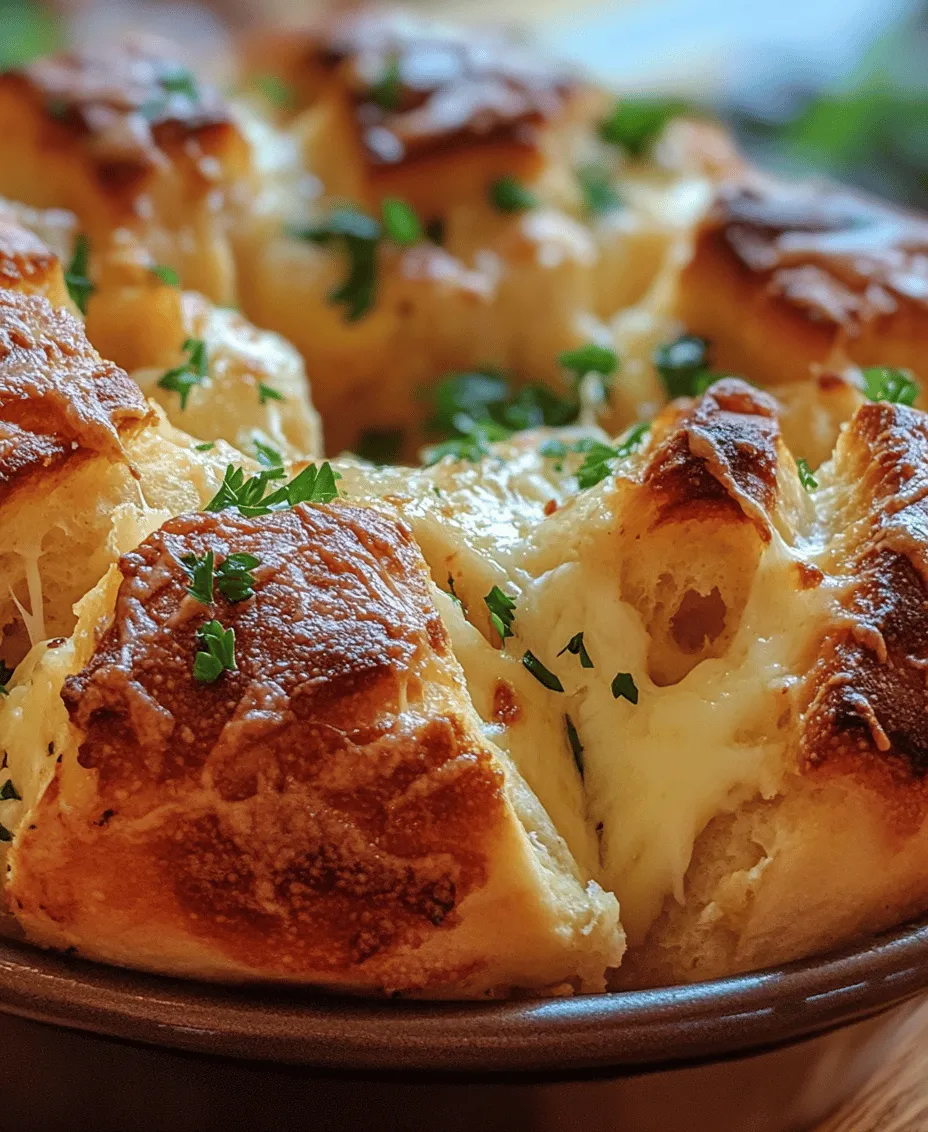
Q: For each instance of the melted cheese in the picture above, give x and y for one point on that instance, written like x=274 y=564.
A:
x=656 y=772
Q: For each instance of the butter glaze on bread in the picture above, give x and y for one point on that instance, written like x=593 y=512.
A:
x=110 y=135
x=829 y=275
x=329 y=812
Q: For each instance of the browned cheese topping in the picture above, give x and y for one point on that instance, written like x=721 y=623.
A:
x=721 y=457
x=58 y=398
x=419 y=87
x=868 y=691
x=317 y=802
x=838 y=256
x=130 y=105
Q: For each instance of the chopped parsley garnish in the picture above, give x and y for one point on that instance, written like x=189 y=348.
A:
x=6 y=675
x=806 y=478
x=267 y=456
x=599 y=194
x=5 y=834
x=219 y=654
x=400 y=221
x=180 y=81
x=387 y=89
x=201 y=576
x=166 y=274
x=636 y=123
x=359 y=235
x=80 y=287
x=684 y=366
x=590 y=358
x=9 y=793
x=268 y=393
x=380 y=446
x=576 y=747
x=502 y=611
x=510 y=195
x=234 y=577
x=881 y=383
x=312 y=485
x=597 y=463
x=556 y=449
x=193 y=372
x=480 y=409
x=576 y=647
x=276 y=91
x=542 y=674
x=624 y=687
x=206 y=446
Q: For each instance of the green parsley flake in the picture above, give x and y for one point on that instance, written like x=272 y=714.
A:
x=509 y=195
x=359 y=235
x=636 y=123
x=684 y=366
x=502 y=611
x=400 y=221
x=480 y=409
x=597 y=463
x=267 y=456
x=806 y=478
x=576 y=747
x=386 y=91
x=268 y=393
x=166 y=274
x=276 y=91
x=206 y=446
x=599 y=194
x=542 y=675
x=180 y=81
x=219 y=654
x=624 y=687
x=312 y=485
x=193 y=372
x=200 y=570
x=576 y=647
x=590 y=358
x=234 y=577
x=881 y=383
x=9 y=793
x=77 y=277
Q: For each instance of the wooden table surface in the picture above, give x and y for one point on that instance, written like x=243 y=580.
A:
x=896 y=1097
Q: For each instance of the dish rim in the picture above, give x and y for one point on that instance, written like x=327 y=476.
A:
x=625 y=1031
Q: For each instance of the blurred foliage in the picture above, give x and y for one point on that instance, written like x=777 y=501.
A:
x=26 y=30
x=871 y=131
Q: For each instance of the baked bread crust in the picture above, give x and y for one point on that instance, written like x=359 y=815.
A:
x=831 y=275
x=329 y=812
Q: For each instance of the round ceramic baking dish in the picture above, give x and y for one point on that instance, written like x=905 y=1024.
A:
x=765 y=1052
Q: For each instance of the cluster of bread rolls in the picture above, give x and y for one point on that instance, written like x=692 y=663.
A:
x=622 y=684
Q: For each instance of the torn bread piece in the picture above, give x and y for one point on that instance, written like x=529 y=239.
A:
x=86 y=468
x=327 y=811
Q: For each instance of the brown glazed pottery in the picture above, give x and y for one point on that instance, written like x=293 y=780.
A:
x=765 y=1052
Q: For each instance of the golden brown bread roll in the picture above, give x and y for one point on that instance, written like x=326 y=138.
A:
x=830 y=275
x=126 y=138
x=86 y=468
x=327 y=812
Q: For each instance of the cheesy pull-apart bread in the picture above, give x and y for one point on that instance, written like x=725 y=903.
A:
x=325 y=808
